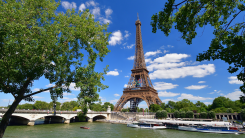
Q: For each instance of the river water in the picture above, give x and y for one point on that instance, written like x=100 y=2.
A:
x=101 y=130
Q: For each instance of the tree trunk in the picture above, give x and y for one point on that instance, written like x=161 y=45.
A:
x=7 y=115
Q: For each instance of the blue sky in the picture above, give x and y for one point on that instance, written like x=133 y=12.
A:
x=174 y=71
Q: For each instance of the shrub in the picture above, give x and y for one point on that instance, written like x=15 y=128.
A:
x=211 y=114
x=164 y=114
x=243 y=114
x=189 y=114
x=182 y=114
x=229 y=110
x=158 y=114
x=176 y=114
x=203 y=115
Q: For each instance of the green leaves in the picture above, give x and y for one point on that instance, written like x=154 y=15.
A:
x=193 y=13
x=36 y=42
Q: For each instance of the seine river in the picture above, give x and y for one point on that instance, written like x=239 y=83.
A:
x=101 y=130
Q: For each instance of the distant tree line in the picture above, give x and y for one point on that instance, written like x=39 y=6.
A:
x=220 y=105
x=66 y=106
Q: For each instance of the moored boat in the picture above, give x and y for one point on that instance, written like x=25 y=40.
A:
x=212 y=129
x=146 y=125
x=84 y=127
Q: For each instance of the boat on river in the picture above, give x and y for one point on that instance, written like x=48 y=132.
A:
x=212 y=129
x=146 y=125
x=84 y=127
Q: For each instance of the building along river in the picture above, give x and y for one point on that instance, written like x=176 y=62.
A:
x=100 y=130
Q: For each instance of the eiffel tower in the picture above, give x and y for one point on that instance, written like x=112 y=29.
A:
x=139 y=87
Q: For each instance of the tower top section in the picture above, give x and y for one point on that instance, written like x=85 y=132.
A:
x=139 y=59
x=138 y=20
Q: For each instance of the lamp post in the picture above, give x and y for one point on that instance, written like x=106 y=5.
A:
x=54 y=98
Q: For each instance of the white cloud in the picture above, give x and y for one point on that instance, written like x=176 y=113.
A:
x=108 y=12
x=131 y=58
x=66 y=94
x=165 y=51
x=191 y=97
x=67 y=5
x=104 y=20
x=96 y=12
x=163 y=66
x=148 y=60
x=207 y=103
x=49 y=85
x=116 y=38
x=67 y=99
x=126 y=76
x=113 y=73
x=125 y=85
x=130 y=46
x=7 y=100
x=37 y=97
x=170 y=46
x=164 y=85
x=166 y=100
x=173 y=73
x=196 y=87
x=167 y=94
x=91 y=3
x=234 y=95
x=36 y=89
x=116 y=95
x=127 y=34
x=114 y=101
x=202 y=82
x=72 y=87
x=152 y=53
x=102 y=99
x=234 y=80
x=174 y=57
x=82 y=7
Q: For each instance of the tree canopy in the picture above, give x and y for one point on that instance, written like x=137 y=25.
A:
x=228 y=44
x=37 y=41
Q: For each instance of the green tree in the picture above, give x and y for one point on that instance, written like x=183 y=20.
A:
x=154 y=107
x=227 y=44
x=41 y=105
x=243 y=114
x=27 y=106
x=66 y=106
x=106 y=104
x=37 y=41
x=211 y=114
x=203 y=115
x=229 y=110
x=164 y=114
x=163 y=106
x=189 y=114
x=176 y=114
x=182 y=114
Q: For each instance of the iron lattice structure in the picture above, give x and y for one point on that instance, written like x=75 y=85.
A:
x=139 y=87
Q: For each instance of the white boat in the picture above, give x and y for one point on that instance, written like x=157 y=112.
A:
x=146 y=125
x=134 y=124
x=211 y=129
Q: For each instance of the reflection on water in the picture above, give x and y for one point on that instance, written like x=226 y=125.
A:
x=101 y=130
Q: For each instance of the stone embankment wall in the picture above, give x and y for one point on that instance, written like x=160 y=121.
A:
x=117 y=116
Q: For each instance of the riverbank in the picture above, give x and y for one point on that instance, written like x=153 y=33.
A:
x=116 y=121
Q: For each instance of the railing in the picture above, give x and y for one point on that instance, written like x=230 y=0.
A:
x=136 y=88
x=48 y=111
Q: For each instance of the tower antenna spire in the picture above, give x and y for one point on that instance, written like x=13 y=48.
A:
x=137 y=16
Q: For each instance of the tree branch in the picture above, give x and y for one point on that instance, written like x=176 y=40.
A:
x=232 y=20
x=180 y=3
x=40 y=91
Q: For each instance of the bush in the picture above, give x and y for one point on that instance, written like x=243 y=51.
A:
x=229 y=110
x=189 y=114
x=243 y=114
x=211 y=114
x=176 y=114
x=154 y=107
x=164 y=114
x=158 y=114
x=203 y=115
x=197 y=116
x=182 y=114
x=161 y=114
